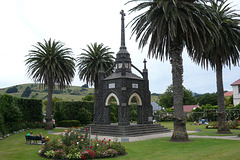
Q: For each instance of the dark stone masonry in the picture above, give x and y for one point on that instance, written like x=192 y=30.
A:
x=123 y=85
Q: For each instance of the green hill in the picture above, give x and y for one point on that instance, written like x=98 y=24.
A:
x=71 y=93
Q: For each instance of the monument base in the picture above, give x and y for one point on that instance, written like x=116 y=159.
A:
x=132 y=130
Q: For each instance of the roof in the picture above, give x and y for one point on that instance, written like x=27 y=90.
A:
x=228 y=94
x=129 y=75
x=237 y=82
x=155 y=106
x=189 y=108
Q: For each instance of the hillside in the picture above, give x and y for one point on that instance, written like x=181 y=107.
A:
x=72 y=93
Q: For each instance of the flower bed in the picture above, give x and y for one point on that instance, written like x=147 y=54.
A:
x=74 y=145
x=235 y=124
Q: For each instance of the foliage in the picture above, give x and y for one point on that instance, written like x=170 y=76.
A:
x=90 y=61
x=54 y=100
x=166 y=99
x=229 y=101
x=26 y=93
x=68 y=123
x=9 y=109
x=81 y=111
x=19 y=113
x=12 y=90
x=88 y=98
x=31 y=109
x=231 y=124
x=50 y=63
x=75 y=145
x=208 y=98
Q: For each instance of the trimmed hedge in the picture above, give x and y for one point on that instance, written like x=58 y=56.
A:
x=19 y=113
x=69 y=123
x=81 y=111
x=31 y=109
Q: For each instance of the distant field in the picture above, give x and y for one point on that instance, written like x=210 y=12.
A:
x=72 y=93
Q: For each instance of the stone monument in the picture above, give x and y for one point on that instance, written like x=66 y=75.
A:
x=123 y=85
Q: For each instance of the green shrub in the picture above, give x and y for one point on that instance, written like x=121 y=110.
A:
x=12 y=90
x=31 y=109
x=68 y=123
x=81 y=111
x=74 y=145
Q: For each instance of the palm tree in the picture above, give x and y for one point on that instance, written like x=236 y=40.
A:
x=172 y=25
x=90 y=61
x=51 y=64
x=225 y=51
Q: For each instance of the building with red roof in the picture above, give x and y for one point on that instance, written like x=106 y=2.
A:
x=189 y=108
x=228 y=94
x=236 y=92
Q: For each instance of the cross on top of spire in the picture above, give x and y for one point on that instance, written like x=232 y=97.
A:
x=123 y=14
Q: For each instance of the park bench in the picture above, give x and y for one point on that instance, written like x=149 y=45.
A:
x=34 y=139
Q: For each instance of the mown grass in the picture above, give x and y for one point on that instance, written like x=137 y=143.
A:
x=203 y=132
x=14 y=147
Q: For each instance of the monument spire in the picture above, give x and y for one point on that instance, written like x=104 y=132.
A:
x=122 y=31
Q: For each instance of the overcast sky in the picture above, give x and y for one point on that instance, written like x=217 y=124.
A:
x=78 y=23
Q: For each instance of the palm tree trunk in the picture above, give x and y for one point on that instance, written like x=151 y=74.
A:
x=179 y=133
x=49 y=124
x=222 y=126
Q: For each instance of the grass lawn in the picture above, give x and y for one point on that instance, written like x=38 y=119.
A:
x=204 y=131
x=14 y=148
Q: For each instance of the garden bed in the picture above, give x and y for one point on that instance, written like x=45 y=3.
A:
x=75 y=145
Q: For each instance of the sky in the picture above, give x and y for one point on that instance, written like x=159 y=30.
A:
x=79 y=23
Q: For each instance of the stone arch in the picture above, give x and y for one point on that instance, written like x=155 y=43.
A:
x=138 y=98
x=109 y=99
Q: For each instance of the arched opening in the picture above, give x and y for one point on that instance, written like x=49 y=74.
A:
x=111 y=104
x=135 y=108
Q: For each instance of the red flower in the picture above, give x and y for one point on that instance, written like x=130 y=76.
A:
x=76 y=127
x=86 y=129
x=91 y=147
x=81 y=136
x=237 y=121
x=47 y=139
x=73 y=142
x=109 y=140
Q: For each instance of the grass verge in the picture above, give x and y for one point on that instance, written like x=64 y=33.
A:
x=14 y=147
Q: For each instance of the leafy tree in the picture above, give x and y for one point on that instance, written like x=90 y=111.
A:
x=224 y=51
x=166 y=99
x=172 y=25
x=229 y=101
x=88 y=98
x=12 y=90
x=208 y=98
x=26 y=93
x=50 y=63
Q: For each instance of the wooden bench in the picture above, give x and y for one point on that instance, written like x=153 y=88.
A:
x=34 y=138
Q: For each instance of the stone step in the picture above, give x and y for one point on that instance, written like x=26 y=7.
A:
x=128 y=130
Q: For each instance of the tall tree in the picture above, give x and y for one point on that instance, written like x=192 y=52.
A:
x=172 y=25
x=51 y=64
x=224 y=51
x=89 y=63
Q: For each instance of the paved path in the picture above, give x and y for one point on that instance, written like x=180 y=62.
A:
x=159 y=135
x=168 y=134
